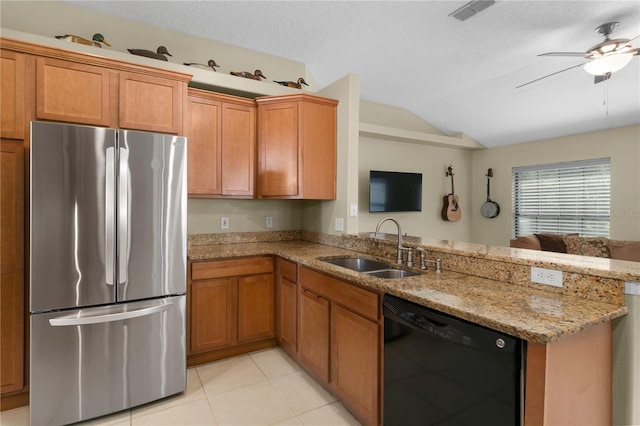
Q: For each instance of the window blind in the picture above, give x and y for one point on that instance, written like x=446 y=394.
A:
x=560 y=198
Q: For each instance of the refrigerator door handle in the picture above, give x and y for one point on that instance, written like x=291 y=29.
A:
x=123 y=216
x=109 y=214
x=99 y=319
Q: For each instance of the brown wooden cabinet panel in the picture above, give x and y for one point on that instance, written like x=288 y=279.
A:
x=313 y=344
x=151 y=103
x=231 y=307
x=11 y=266
x=297 y=147
x=255 y=308
x=213 y=314
x=355 y=362
x=238 y=149
x=287 y=306
x=12 y=94
x=202 y=128
x=72 y=92
x=222 y=140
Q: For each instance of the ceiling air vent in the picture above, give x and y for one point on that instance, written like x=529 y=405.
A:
x=470 y=9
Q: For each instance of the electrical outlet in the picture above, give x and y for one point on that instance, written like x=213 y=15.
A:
x=224 y=222
x=353 y=210
x=268 y=221
x=546 y=276
x=339 y=224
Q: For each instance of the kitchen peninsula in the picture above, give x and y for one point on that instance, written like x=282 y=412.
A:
x=567 y=330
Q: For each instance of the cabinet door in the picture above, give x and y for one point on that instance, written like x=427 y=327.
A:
x=313 y=346
x=12 y=94
x=238 y=149
x=213 y=314
x=203 y=130
x=72 y=92
x=11 y=267
x=286 y=312
x=150 y=103
x=278 y=149
x=355 y=365
x=255 y=308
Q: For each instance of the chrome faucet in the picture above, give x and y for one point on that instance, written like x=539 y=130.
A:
x=424 y=261
x=400 y=247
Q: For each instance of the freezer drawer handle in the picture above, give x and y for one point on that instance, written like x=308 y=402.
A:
x=98 y=319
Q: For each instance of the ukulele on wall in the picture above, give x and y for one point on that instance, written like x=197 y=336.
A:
x=451 y=210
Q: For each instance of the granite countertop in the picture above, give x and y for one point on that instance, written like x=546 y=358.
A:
x=532 y=314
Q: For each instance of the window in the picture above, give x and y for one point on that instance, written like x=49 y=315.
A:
x=562 y=198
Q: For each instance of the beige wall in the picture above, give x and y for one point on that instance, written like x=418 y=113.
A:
x=244 y=215
x=432 y=162
x=622 y=145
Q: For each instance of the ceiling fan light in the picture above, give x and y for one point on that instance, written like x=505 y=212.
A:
x=608 y=64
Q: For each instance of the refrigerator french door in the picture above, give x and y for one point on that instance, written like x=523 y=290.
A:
x=107 y=270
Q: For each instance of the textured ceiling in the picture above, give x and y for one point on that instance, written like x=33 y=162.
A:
x=458 y=76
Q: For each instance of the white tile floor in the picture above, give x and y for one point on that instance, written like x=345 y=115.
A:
x=261 y=388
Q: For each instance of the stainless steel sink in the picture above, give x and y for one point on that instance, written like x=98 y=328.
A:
x=359 y=264
x=391 y=273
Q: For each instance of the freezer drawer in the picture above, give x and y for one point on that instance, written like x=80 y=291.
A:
x=90 y=362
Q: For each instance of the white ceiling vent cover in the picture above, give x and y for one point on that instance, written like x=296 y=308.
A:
x=471 y=8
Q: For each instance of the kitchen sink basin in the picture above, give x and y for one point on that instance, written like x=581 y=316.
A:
x=359 y=264
x=391 y=273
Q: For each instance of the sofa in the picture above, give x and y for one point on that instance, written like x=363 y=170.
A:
x=575 y=244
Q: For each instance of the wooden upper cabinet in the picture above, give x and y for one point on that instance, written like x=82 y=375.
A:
x=151 y=103
x=297 y=147
x=12 y=94
x=238 y=149
x=11 y=266
x=73 y=92
x=222 y=137
x=202 y=129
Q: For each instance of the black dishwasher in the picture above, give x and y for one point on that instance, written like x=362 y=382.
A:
x=441 y=370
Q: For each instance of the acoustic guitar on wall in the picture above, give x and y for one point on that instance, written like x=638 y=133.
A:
x=451 y=210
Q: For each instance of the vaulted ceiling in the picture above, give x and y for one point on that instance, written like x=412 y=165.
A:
x=460 y=76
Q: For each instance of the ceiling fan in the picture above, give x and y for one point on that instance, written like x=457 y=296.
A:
x=605 y=58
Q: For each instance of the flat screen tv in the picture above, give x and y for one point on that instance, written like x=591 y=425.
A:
x=395 y=191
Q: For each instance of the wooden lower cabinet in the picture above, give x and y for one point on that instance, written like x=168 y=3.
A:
x=255 y=308
x=12 y=313
x=314 y=334
x=287 y=306
x=339 y=341
x=213 y=317
x=355 y=361
x=231 y=308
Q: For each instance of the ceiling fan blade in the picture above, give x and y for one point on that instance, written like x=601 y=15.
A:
x=549 y=75
x=580 y=54
x=598 y=78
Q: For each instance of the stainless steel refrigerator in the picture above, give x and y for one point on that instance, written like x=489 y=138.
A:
x=107 y=270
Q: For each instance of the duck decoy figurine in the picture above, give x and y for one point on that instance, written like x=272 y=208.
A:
x=159 y=54
x=257 y=75
x=210 y=65
x=95 y=41
x=297 y=85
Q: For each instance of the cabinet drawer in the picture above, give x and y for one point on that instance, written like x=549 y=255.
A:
x=231 y=268
x=287 y=270
x=355 y=298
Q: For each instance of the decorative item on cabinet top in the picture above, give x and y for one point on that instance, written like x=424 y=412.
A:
x=257 y=74
x=95 y=40
x=210 y=65
x=293 y=84
x=159 y=54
